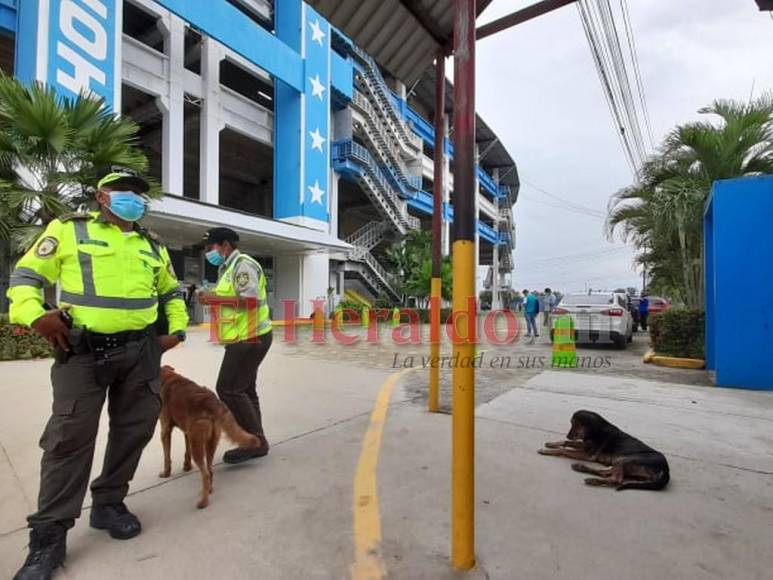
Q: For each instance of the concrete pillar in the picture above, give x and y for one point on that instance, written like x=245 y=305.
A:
x=301 y=278
x=333 y=203
x=495 y=302
x=174 y=108
x=211 y=123
x=400 y=90
x=342 y=124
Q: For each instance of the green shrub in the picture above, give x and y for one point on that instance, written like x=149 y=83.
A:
x=17 y=342
x=678 y=332
x=424 y=314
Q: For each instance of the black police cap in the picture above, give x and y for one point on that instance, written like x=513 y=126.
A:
x=220 y=235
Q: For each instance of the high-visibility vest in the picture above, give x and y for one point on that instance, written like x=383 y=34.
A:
x=112 y=280
x=234 y=323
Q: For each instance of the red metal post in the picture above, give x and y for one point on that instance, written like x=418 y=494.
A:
x=521 y=16
x=437 y=176
x=437 y=209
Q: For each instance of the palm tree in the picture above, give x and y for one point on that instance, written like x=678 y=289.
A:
x=662 y=214
x=50 y=151
x=419 y=283
x=406 y=258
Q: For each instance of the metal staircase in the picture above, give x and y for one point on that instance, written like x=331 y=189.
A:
x=382 y=142
x=376 y=88
x=363 y=263
x=355 y=161
x=368 y=236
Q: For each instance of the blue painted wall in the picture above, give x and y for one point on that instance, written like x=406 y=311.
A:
x=739 y=282
x=8 y=15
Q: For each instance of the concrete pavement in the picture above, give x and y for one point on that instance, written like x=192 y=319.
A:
x=290 y=515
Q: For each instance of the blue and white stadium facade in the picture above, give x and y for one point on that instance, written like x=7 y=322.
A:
x=261 y=116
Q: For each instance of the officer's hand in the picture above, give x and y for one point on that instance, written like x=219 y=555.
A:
x=167 y=341
x=53 y=328
x=205 y=297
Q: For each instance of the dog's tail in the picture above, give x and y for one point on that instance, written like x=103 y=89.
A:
x=236 y=433
x=656 y=483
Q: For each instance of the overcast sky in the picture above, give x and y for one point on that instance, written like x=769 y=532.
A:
x=539 y=91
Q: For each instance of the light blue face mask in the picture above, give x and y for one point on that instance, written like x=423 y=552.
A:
x=127 y=205
x=214 y=257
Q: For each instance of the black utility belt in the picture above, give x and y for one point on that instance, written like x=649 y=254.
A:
x=84 y=341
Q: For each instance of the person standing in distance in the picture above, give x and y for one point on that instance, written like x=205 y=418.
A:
x=114 y=276
x=644 y=306
x=550 y=306
x=531 y=310
x=243 y=324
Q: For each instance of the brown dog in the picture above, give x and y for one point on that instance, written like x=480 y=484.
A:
x=633 y=465
x=202 y=417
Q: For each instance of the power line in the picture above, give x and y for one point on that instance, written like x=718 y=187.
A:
x=620 y=73
x=578 y=256
x=636 y=69
x=600 y=28
x=599 y=62
x=576 y=206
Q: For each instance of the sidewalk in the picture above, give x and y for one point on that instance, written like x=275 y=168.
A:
x=290 y=515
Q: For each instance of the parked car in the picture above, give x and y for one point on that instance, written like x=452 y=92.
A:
x=658 y=304
x=598 y=317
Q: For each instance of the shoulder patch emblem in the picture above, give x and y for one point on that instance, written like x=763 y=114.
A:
x=242 y=280
x=46 y=247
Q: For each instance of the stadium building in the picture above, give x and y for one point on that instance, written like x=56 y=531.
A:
x=263 y=117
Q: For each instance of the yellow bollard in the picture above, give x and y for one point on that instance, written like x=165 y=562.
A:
x=339 y=316
x=395 y=316
x=564 y=348
x=434 y=352
x=365 y=317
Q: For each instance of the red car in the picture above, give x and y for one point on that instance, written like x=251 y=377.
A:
x=657 y=304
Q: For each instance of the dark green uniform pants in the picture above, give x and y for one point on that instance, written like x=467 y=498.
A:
x=132 y=371
x=237 y=382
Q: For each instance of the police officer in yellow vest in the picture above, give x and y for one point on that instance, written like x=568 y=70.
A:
x=242 y=322
x=113 y=278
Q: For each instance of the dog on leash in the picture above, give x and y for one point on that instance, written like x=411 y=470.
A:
x=632 y=464
x=199 y=414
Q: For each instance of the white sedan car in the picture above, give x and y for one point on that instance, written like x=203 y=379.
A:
x=598 y=317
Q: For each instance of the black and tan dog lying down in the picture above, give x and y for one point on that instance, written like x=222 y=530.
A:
x=632 y=464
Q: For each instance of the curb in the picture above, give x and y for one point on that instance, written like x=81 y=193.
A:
x=648 y=356
x=678 y=363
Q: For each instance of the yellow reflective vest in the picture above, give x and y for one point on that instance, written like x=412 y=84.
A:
x=112 y=280
x=232 y=323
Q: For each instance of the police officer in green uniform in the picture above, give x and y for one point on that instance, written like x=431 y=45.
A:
x=113 y=278
x=242 y=322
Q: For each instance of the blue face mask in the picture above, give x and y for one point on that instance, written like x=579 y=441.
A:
x=126 y=205
x=214 y=257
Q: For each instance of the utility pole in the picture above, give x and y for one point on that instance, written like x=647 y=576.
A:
x=464 y=300
x=464 y=261
x=437 y=208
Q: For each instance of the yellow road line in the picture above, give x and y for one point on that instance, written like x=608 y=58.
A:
x=367 y=520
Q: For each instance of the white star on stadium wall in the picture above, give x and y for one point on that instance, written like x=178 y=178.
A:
x=316 y=32
x=317 y=139
x=316 y=192
x=316 y=87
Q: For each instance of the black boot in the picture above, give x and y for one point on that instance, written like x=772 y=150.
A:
x=47 y=548
x=116 y=519
x=242 y=454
